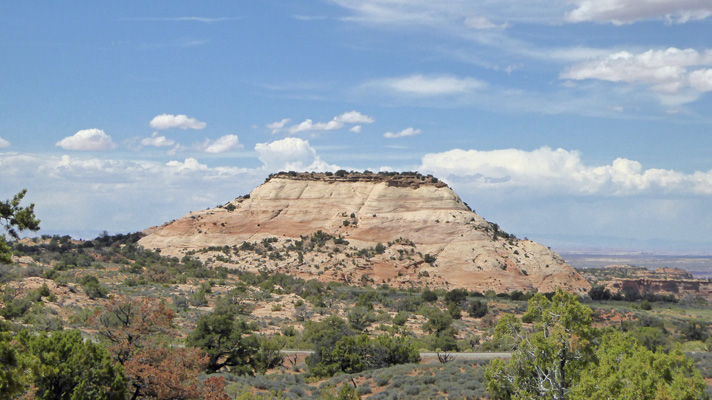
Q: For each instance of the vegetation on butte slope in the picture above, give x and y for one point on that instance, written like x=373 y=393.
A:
x=43 y=291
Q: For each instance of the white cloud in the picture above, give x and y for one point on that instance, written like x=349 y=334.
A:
x=4 y=143
x=420 y=85
x=405 y=132
x=355 y=129
x=190 y=164
x=482 y=23
x=353 y=117
x=628 y=11
x=701 y=79
x=223 y=144
x=157 y=141
x=546 y=171
x=277 y=126
x=310 y=126
x=666 y=72
x=168 y=121
x=432 y=13
x=88 y=140
x=118 y=195
x=338 y=122
x=290 y=154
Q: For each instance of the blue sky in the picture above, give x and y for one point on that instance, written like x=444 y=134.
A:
x=580 y=123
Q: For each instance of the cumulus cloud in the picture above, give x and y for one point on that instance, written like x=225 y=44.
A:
x=168 y=121
x=88 y=140
x=190 y=164
x=222 y=144
x=157 y=141
x=355 y=129
x=405 y=132
x=4 y=143
x=628 y=11
x=290 y=154
x=664 y=71
x=338 y=122
x=353 y=117
x=118 y=195
x=421 y=85
x=559 y=171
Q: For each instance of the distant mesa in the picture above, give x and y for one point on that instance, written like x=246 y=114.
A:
x=401 y=229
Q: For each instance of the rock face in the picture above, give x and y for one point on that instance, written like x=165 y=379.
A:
x=427 y=235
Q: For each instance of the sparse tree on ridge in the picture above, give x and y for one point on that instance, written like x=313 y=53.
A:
x=15 y=218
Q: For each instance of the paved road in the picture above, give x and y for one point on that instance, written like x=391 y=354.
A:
x=467 y=356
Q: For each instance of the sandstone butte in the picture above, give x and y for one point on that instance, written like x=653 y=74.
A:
x=429 y=236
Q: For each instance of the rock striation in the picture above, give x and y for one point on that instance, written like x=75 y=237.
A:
x=401 y=229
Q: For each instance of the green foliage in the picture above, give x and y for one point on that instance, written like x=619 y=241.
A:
x=323 y=335
x=401 y=318
x=507 y=334
x=360 y=318
x=16 y=306
x=454 y=310
x=227 y=340
x=352 y=354
x=92 y=287
x=269 y=354
x=198 y=299
x=64 y=366
x=12 y=367
x=599 y=292
x=13 y=219
x=347 y=355
x=429 y=258
x=477 y=309
x=457 y=296
x=627 y=370
x=695 y=330
x=560 y=358
x=548 y=361
x=429 y=296
x=439 y=325
x=437 y=322
x=44 y=290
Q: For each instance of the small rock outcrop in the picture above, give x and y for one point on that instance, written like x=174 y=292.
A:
x=400 y=229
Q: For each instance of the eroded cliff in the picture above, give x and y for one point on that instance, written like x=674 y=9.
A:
x=427 y=235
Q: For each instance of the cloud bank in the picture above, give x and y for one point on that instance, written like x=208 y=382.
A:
x=666 y=71
x=546 y=171
x=621 y=12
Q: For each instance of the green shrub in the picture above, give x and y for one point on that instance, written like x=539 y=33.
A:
x=92 y=287
x=477 y=309
x=429 y=296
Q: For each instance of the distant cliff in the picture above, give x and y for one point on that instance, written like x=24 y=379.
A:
x=400 y=229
